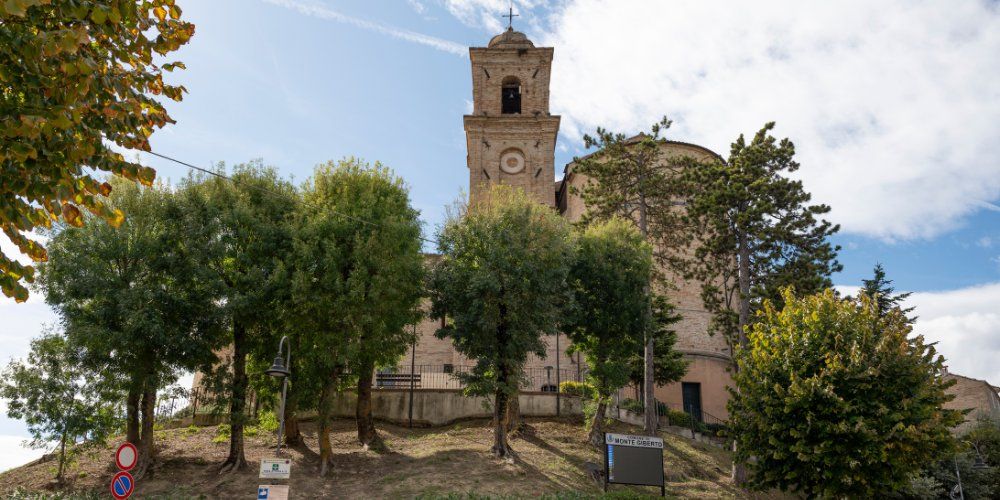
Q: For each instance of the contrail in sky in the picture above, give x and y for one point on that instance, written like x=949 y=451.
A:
x=321 y=12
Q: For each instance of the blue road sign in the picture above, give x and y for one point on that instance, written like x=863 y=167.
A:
x=122 y=485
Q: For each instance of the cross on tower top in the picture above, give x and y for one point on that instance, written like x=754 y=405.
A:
x=510 y=18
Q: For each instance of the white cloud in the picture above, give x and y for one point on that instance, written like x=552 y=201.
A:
x=320 y=11
x=14 y=454
x=893 y=106
x=491 y=15
x=418 y=7
x=964 y=322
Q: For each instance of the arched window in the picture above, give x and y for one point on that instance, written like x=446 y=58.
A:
x=510 y=96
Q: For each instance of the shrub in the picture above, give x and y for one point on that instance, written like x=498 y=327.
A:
x=632 y=405
x=580 y=389
x=221 y=433
x=268 y=422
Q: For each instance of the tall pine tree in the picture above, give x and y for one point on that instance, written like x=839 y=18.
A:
x=881 y=290
x=755 y=233
x=635 y=179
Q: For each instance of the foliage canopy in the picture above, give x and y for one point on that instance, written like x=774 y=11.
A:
x=77 y=82
x=502 y=283
x=833 y=400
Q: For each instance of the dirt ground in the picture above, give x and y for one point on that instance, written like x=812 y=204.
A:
x=445 y=462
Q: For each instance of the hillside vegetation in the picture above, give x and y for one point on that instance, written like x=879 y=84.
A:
x=447 y=462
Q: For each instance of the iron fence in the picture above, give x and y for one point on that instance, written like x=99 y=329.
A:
x=447 y=376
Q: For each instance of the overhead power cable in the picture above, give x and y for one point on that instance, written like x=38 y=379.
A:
x=346 y=216
x=274 y=193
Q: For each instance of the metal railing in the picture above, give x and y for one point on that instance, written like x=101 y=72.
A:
x=692 y=417
x=445 y=376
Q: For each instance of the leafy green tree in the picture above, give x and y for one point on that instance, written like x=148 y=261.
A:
x=880 y=288
x=76 y=79
x=636 y=179
x=56 y=395
x=669 y=364
x=357 y=282
x=610 y=283
x=833 y=400
x=977 y=460
x=135 y=297
x=243 y=229
x=502 y=283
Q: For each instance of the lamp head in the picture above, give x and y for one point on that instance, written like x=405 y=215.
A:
x=278 y=369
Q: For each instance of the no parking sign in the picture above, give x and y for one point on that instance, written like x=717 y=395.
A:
x=123 y=484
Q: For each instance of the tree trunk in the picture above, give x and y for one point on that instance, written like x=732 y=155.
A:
x=649 y=384
x=363 y=410
x=512 y=417
x=62 y=454
x=650 y=419
x=132 y=415
x=739 y=469
x=293 y=436
x=325 y=421
x=596 y=436
x=145 y=447
x=500 y=447
x=236 y=461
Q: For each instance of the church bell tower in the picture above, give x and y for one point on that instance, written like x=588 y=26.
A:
x=510 y=135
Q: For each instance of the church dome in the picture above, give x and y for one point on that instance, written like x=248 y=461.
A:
x=511 y=39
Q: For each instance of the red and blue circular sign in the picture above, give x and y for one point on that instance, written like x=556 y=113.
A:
x=126 y=456
x=122 y=485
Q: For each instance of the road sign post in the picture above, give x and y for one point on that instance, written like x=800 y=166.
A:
x=126 y=457
x=274 y=468
x=122 y=485
x=636 y=460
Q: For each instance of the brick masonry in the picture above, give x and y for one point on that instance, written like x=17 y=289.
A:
x=978 y=397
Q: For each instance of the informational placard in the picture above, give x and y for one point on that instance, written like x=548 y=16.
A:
x=636 y=460
x=272 y=492
x=275 y=468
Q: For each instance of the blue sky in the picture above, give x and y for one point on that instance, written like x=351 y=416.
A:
x=894 y=109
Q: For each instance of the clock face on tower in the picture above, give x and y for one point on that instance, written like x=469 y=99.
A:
x=512 y=161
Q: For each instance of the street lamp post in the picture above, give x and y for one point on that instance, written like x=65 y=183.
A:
x=979 y=464
x=280 y=369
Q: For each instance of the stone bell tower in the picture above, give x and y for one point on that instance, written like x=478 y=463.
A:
x=510 y=135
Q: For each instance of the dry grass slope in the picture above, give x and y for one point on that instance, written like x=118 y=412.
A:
x=447 y=462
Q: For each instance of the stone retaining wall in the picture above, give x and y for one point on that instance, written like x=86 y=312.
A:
x=434 y=407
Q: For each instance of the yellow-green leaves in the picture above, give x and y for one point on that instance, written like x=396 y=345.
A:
x=19 y=8
x=73 y=95
x=835 y=400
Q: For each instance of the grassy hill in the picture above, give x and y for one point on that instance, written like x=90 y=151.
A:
x=445 y=462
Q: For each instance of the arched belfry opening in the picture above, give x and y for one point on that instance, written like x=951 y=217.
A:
x=510 y=96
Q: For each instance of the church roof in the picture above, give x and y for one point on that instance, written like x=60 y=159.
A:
x=511 y=39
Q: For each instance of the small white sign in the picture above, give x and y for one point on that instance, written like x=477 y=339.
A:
x=633 y=441
x=275 y=468
x=272 y=492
